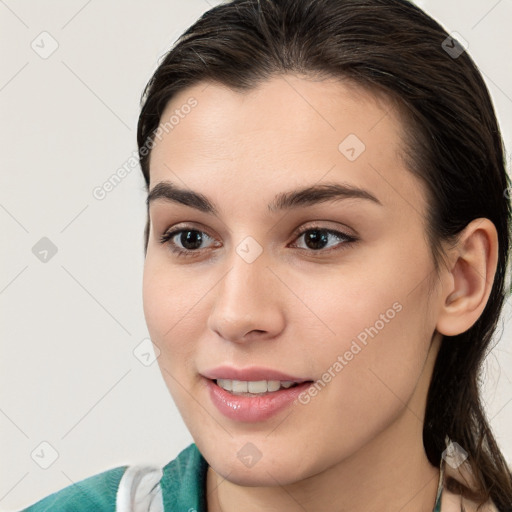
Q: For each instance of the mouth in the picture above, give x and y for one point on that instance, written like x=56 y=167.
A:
x=253 y=401
x=252 y=394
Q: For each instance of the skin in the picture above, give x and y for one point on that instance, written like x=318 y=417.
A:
x=357 y=445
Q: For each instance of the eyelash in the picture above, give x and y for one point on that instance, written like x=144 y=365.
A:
x=167 y=237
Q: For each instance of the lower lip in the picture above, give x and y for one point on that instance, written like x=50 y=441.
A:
x=253 y=409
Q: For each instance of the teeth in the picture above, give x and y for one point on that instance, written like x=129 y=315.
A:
x=259 y=386
x=239 y=386
x=273 y=385
x=254 y=387
x=225 y=384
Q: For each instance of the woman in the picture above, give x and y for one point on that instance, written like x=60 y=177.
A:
x=326 y=250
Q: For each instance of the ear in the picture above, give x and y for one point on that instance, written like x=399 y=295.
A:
x=469 y=282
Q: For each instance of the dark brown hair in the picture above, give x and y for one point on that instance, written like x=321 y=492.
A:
x=453 y=145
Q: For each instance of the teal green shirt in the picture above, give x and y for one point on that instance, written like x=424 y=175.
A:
x=97 y=492
x=183 y=485
x=184 y=482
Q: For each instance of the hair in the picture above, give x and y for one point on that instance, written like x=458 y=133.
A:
x=453 y=145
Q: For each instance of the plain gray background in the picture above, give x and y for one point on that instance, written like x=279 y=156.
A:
x=70 y=324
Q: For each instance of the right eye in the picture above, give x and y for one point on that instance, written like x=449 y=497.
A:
x=185 y=241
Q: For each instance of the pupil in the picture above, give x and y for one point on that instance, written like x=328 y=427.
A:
x=316 y=239
x=191 y=239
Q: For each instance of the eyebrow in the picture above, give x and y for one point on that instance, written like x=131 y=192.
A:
x=307 y=196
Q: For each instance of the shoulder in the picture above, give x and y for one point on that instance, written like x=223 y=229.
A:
x=97 y=492
x=455 y=503
x=178 y=485
x=452 y=502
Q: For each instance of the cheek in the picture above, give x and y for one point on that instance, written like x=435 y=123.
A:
x=167 y=311
x=176 y=304
x=371 y=330
x=169 y=299
x=370 y=369
x=342 y=306
x=157 y=310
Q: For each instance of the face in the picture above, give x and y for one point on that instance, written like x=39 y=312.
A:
x=252 y=281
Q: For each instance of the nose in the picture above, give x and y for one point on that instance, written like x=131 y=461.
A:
x=247 y=303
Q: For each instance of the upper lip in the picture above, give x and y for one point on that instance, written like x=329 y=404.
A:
x=253 y=373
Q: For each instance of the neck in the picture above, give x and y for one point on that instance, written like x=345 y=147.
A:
x=385 y=475
x=390 y=473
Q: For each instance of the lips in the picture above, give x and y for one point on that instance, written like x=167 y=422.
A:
x=244 y=407
x=253 y=373
x=255 y=408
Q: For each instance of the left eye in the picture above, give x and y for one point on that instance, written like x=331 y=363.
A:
x=187 y=242
x=318 y=238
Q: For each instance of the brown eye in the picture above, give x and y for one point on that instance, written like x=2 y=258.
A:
x=316 y=238
x=185 y=242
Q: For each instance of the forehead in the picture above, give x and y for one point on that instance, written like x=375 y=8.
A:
x=288 y=129
x=285 y=104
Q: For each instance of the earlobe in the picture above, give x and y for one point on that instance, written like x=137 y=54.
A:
x=473 y=268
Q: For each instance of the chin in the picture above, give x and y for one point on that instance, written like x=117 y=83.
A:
x=264 y=475
x=275 y=468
